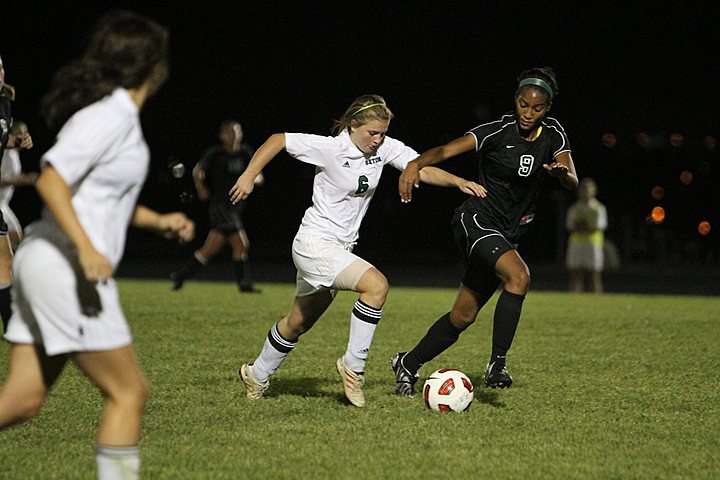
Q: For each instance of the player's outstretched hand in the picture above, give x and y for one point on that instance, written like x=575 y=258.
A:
x=472 y=188
x=242 y=189
x=409 y=179
x=556 y=169
x=176 y=225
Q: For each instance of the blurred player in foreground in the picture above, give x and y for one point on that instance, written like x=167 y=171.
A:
x=214 y=175
x=517 y=152
x=347 y=171
x=66 y=304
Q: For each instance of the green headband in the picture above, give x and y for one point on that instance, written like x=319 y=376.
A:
x=366 y=107
x=538 y=82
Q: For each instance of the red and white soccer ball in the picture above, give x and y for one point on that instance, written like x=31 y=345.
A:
x=448 y=390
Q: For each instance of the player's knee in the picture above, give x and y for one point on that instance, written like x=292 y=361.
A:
x=518 y=281
x=239 y=255
x=133 y=398
x=140 y=395
x=27 y=407
x=462 y=319
x=378 y=289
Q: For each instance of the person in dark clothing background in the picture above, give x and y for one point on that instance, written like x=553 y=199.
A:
x=214 y=175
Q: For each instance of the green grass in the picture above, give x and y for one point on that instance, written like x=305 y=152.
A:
x=613 y=386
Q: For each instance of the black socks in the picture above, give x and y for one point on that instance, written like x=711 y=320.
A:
x=439 y=337
x=505 y=322
x=442 y=334
x=241 y=270
x=5 y=307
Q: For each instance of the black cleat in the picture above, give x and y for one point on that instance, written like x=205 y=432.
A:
x=177 y=281
x=249 y=289
x=497 y=376
x=404 y=380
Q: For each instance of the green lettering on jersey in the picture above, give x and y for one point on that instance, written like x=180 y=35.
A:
x=362 y=185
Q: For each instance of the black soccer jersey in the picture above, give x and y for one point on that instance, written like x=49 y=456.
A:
x=511 y=169
x=222 y=169
x=5 y=122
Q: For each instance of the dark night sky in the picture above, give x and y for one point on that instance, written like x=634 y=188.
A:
x=443 y=67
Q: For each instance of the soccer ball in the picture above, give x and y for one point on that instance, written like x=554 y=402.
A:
x=448 y=390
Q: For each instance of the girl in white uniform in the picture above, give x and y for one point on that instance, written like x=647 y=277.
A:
x=348 y=169
x=66 y=303
x=11 y=176
x=8 y=140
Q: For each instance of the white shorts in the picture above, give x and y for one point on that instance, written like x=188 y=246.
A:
x=584 y=256
x=55 y=307
x=319 y=261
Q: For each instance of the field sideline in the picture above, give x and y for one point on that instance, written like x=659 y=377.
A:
x=614 y=386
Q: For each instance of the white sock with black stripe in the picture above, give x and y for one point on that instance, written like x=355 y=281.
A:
x=115 y=463
x=272 y=355
x=363 y=321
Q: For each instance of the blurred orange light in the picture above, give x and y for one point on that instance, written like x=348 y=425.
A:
x=686 y=177
x=609 y=140
x=704 y=228
x=657 y=192
x=676 y=140
x=657 y=215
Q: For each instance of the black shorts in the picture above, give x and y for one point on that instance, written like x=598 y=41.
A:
x=227 y=218
x=481 y=247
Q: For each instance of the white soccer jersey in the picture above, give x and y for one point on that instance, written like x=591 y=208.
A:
x=10 y=168
x=345 y=180
x=102 y=156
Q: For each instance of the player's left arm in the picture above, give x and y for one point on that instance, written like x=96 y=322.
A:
x=441 y=178
x=563 y=169
x=169 y=225
x=198 y=175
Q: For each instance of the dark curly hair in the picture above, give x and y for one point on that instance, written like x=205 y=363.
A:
x=123 y=51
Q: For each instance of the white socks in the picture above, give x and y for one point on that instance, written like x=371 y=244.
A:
x=117 y=463
x=363 y=321
x=272 y=355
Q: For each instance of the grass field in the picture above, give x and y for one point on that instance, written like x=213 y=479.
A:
x=614 y=386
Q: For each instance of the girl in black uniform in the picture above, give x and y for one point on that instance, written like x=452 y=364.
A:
x=214 y=175
x=517 y=152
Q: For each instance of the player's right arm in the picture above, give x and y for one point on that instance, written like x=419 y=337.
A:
x=244 y=185
x=58 y=199
x=410 y=177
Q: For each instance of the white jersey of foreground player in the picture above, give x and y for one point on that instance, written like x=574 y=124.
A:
x=102 y=155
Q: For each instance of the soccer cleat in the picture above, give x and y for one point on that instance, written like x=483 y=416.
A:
x=177 y=281
x=253 y=388
x=497 y=376
x=249 y=289
x=404 y=380
x=352 y=383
